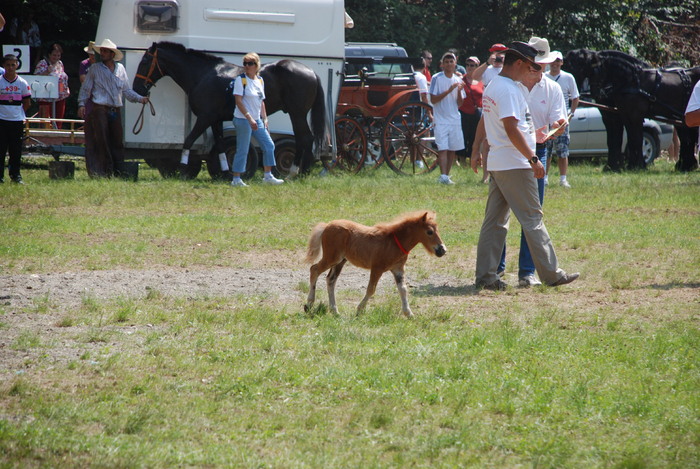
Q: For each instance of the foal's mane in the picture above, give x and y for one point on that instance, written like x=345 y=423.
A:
x=401 y=221
x=174 y=46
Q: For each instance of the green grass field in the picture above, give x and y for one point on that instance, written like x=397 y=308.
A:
x=600 y=373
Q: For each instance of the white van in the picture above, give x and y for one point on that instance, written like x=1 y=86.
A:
x=309 y=31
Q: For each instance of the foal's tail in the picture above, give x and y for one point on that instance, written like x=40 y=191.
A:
x=318 y=115
x=315 y=243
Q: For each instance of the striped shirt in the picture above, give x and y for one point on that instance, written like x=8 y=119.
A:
x=12 y=93
x=105 y=87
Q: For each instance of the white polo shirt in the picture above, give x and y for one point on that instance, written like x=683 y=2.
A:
x=546 y=102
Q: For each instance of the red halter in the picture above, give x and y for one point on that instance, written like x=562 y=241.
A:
x=398 y=243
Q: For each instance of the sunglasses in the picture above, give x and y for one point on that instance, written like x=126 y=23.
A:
x=471 y=65
x=249 y=64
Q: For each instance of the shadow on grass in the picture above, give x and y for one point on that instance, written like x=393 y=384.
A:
x=671 y=286
x=444 y=290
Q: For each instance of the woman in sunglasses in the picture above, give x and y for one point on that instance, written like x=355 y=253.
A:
x=250 y=119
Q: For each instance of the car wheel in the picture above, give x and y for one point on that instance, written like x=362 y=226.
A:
x=650 y=146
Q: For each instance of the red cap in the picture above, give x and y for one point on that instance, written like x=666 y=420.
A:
x=498 y=48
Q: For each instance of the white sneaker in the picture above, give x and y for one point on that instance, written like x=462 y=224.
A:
x=565 y=184
x=528 y=281
x=272 y=180
x=238 y=182
x=419 y=164
x=445 y=179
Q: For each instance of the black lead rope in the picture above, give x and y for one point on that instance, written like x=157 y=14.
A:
x=140 y=119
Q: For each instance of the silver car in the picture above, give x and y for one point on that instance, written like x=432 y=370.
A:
x=589 y=138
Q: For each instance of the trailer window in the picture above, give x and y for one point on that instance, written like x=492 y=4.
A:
x=157 y=16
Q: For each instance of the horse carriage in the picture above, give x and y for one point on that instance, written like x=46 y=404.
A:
x=380 y=118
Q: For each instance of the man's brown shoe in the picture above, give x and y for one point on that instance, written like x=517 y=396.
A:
x=564 y=279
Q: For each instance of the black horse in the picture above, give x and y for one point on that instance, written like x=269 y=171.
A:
x=290 y=86
x=636 y=91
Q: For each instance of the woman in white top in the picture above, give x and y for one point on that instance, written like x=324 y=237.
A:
x=250 y=119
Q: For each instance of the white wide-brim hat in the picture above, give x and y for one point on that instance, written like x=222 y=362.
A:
x=544 y=56
x=89 y=49
x=107 y=44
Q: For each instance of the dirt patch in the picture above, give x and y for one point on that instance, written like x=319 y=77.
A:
x=69 y=289
x=34 y=304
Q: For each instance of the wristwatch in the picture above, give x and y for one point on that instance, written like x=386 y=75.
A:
x=533 y=160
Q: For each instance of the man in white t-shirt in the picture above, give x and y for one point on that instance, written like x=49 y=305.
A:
x=512 y=164
x=692 y=111
x=447 y=94
x=545 y=100
x=571 y=97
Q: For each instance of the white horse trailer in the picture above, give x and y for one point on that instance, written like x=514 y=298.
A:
x=309 y=31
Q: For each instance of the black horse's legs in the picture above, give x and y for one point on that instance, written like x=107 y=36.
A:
x=634 y=127
x=613 y=127
x=304 y=144
x=218 y=130
x=689 y=138
x=199 y=127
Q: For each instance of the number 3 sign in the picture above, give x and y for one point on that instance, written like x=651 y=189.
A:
x=22 y=54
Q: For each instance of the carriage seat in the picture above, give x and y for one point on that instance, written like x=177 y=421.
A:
x=381 y=89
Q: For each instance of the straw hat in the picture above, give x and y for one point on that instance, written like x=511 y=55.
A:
x=89 y=49
x=107 y=44
x=544 y=56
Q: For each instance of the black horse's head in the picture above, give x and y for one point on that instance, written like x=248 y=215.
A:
x=148 y=72
x=582 y=64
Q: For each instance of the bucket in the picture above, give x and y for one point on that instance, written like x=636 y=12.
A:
x=128 y=170
x=61 y=170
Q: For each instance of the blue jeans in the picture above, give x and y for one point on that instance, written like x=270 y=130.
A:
x=243 y=134
x=526 y=266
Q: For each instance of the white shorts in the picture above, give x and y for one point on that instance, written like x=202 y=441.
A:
x=449 y=137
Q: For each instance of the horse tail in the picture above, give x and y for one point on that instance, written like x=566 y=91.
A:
x=318 y=115
x=315 y=243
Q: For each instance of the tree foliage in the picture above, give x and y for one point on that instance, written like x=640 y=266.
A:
x=658 y=32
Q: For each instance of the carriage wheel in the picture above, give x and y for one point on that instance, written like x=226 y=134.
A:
x=408 y=144
x=214 y=167
x=351 y=146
